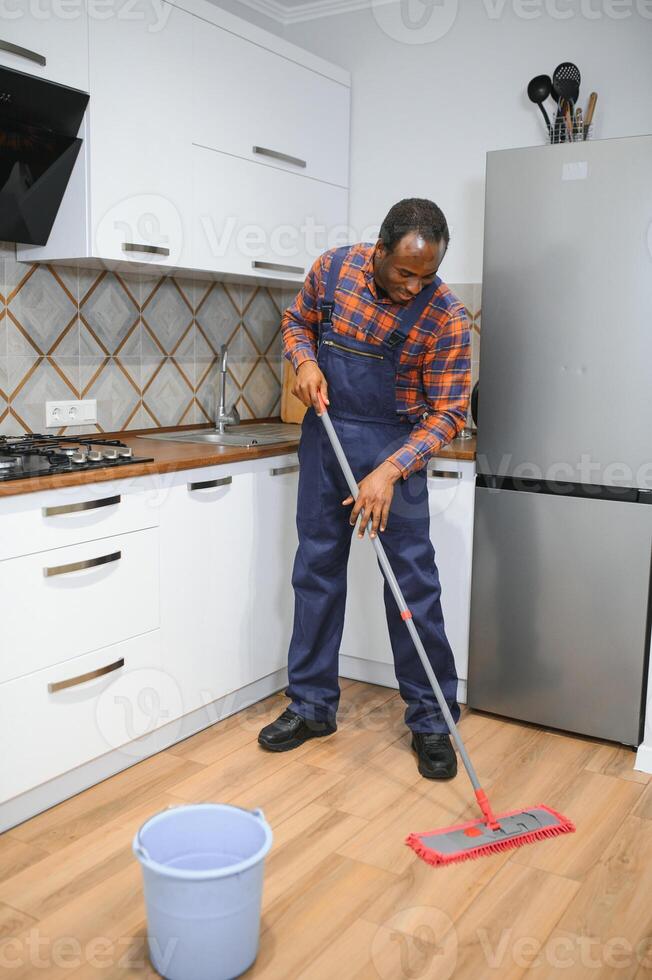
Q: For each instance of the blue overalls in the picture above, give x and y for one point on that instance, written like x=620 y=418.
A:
x=361 y=380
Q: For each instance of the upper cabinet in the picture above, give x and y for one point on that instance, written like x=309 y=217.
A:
x=259 y=106
x=48 y=39
x=209 y=145
x=140 y=152
x=251 y=220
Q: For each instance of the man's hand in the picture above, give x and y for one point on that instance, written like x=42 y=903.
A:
x=309 y=381
x=375 y=494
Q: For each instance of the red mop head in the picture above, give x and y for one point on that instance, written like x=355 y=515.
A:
x=476 y=838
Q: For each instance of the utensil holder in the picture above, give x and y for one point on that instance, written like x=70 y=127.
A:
x=580 y=134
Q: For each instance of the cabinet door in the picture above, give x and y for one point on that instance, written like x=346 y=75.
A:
x=274 y=546
x=451 y=492
x=140 y=139
x=52 y=45
x=88 y=595
x=366 y=636
x=206 y=542
x=55 y=719
x=256 y=220
x=246 y=97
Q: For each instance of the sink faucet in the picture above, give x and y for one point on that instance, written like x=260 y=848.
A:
x=222 y=417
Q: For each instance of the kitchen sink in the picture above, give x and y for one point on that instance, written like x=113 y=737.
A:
x=245 y=435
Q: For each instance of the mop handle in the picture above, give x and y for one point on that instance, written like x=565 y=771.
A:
x=406 y=615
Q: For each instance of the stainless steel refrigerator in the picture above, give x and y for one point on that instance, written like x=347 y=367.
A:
x=561 y=593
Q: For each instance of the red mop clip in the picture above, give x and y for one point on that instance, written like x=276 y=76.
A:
x=487 y=812
x=406 y=614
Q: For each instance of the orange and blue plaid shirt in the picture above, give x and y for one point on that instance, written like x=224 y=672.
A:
x=434 y=371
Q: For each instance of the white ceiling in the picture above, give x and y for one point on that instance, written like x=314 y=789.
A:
x=292 y=11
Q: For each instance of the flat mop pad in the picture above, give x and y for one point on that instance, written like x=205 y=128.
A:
x=478 y=837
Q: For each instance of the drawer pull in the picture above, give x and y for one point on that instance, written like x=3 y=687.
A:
x=263 y=151
x=445 y=474
x=76 y=566
x=210 y=484
x=82 y=505
x=23 y=52
x=150 y=249
x=282 y=470
x=276 y=266
x=82 y=678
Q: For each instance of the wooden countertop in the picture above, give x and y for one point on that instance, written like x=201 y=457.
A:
x=168 y=457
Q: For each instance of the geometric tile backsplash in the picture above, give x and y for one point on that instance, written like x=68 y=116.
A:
x=146 y=347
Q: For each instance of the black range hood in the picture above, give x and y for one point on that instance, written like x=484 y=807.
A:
x=39 y=122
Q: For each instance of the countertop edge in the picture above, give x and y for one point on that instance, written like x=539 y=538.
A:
x=14 y=488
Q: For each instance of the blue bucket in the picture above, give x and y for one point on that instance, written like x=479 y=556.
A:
x=202 y=870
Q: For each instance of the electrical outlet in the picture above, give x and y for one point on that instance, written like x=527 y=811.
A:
x=58 y=414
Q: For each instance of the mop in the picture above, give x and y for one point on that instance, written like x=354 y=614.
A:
x=492 y=832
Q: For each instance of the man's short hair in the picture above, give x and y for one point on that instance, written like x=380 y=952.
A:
x=414 y=214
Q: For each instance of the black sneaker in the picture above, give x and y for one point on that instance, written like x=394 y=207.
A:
x=290 y=730
x=435 y=754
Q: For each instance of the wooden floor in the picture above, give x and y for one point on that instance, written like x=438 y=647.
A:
x=344 y=897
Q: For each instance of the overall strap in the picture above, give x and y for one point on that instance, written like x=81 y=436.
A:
x=328 y=300
x=412 y=313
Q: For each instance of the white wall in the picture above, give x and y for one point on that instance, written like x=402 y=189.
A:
x=424 y=114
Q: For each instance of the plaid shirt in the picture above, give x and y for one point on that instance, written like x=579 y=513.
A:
x=434 y=371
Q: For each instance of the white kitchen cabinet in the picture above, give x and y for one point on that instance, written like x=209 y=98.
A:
x=366 y=651
x=33 y=522
x=255 y=104
x=206 y=545
x=274 y=546
x=129 y=196
x=49 y=40
x=87 y=596
x=141 y=91
x=55 y=719
x=451 y=486
x=168 y=177
x=255 y=220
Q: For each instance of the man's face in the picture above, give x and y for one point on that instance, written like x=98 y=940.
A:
x=411 y=265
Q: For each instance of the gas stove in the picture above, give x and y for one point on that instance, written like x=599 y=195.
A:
x=34 y=455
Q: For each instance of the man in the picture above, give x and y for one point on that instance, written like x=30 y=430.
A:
x=385 y=342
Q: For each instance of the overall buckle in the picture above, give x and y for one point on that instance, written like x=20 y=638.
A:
x=327 y=313
x=395 y=339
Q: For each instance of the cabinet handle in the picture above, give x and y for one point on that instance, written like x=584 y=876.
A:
x=282 y=470
x=82 y=678
x=83 y=505
x=23 y=52
x=263 y=151
x=150 y=249
x=277 y=266
x=76 y=566
x=445 y=474
x=210 y=484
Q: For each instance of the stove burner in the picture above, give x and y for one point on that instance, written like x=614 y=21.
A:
x=35 y=455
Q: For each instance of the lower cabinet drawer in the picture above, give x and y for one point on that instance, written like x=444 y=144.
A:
x=65 y=602
x=33 y=522
x=61 y=717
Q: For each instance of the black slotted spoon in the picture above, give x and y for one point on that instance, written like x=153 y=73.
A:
x=566 y=80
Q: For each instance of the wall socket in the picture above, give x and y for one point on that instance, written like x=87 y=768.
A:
x=70 y=413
